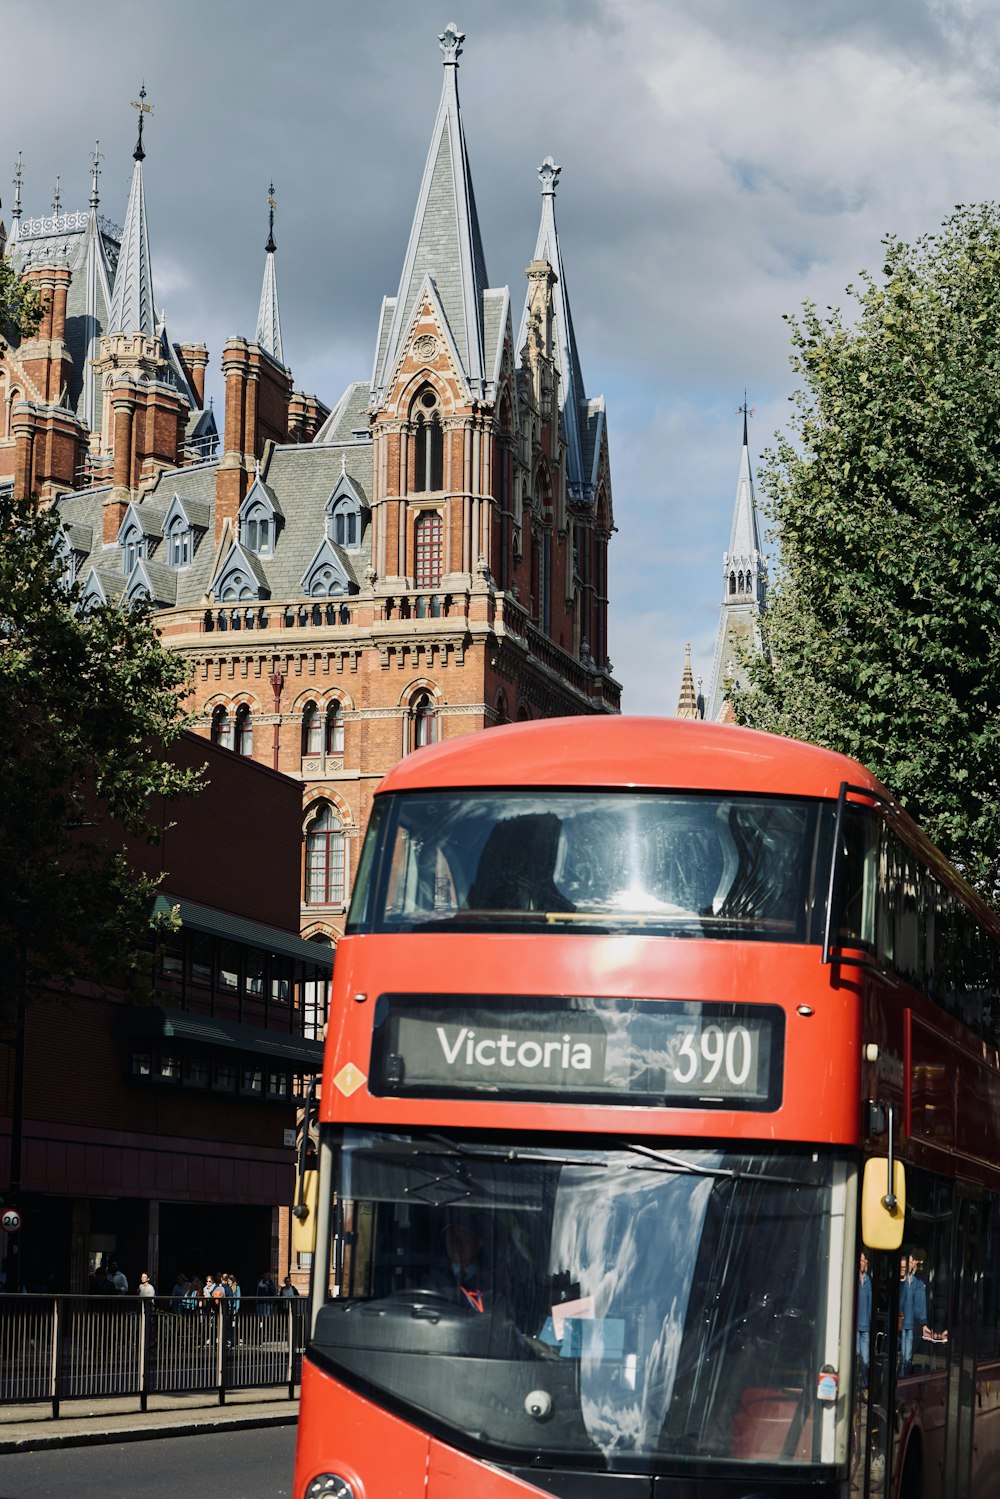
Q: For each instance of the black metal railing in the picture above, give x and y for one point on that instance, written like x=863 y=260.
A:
x=55 y=1348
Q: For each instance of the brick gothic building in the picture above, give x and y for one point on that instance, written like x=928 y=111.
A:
x=427 y=558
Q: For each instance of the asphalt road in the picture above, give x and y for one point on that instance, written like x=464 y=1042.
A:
x=255 y=1464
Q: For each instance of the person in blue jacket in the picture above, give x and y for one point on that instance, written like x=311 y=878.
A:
x=864 y=1320
x=912 y=1313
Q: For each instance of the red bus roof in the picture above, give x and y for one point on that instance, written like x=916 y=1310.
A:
x=617 y=750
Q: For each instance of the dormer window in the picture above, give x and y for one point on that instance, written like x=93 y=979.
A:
x=67 y=559
x=258 y=519
x=345 y=523
x=179 y=543
x=258 y=530
x=237 y=588
x=343 y=514
x=133 y=547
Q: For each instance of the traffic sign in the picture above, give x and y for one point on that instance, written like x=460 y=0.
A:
x=10 y=1222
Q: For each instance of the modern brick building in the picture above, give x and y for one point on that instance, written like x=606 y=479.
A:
x=162 y=1135
x=425 y=557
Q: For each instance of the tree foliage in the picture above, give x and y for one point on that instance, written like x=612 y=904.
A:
x=20 y=305
x=882 y=631
x=89 y=702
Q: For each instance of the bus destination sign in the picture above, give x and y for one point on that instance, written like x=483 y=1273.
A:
x=670 y=1053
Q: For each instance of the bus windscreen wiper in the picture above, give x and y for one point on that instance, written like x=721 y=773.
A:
x=676 y=1163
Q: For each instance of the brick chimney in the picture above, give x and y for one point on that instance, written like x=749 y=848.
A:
x=194 y=361
x=159 y=429
x=23 y=426
x=232 y=479
x=306 y=414
x=44 y=357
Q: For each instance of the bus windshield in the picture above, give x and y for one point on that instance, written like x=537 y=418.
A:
x=701 y=865
x=606 y=1307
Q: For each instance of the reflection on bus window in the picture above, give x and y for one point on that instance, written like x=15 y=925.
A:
x=699 y=865
x=679 y=1307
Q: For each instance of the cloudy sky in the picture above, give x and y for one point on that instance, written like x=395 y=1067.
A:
x=722 y=161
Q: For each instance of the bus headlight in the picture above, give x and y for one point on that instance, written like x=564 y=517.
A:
x=329 y=1486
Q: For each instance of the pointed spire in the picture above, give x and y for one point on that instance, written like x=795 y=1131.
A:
x=445 y=242
x=144 y=109
x=95 y=172
x=687 y=703
x=571 y=395
x=270 y=247
x=268 y=318
x=132 y=308
x=744 y=584
x=15 y=213
x=744 y=540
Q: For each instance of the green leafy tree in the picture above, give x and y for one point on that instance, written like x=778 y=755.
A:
x=20 y=305
x=89 y=702
x=883 y=630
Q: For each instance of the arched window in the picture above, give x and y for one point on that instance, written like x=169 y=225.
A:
x=732 y=582
x=237 y=588
x=345 y=530
x=257 y=531
x=243 y=738
x=424 y=722
x=222 y=728
x=312 y=730
x=334 y=738
x=179 y=542
x=9 y=404
x=325 y=583
x=429 y=548
x=326 y=858
x=132 y=549
x=428 y=446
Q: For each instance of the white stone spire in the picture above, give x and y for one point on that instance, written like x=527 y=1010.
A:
x=268 y=317
x=445 y=243
x=132 y=309
x=744 y=588
x=571 y=394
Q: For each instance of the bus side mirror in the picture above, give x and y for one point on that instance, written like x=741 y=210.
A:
x=883 y=1208
x=304 y=1215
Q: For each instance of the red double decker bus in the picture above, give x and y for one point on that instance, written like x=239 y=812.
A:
x=659 y=1134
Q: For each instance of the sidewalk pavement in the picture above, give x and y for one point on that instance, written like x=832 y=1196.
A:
x=81 y=1423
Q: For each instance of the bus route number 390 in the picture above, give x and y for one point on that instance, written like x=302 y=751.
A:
x=713 y=1055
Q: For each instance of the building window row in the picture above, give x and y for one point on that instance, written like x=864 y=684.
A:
x=250 y=1077
x=233 y=981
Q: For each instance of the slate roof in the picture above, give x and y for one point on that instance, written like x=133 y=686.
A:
x=349 y=418
x=300 y=478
